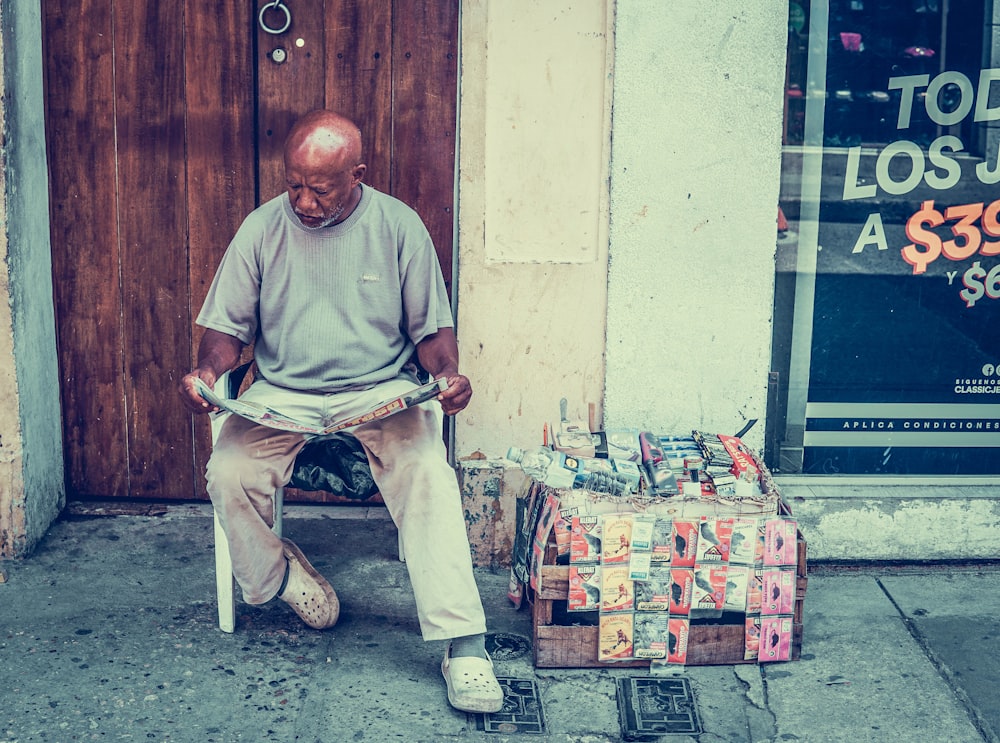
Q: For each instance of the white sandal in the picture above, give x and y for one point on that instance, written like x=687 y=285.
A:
x=472 y=684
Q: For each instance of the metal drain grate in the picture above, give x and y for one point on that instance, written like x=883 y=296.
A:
x=521 y=713
x=506 y=646
x=656 y=706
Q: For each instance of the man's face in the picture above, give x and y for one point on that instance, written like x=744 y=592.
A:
x=320 y=192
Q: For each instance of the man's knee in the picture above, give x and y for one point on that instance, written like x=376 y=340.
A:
x=225 y=464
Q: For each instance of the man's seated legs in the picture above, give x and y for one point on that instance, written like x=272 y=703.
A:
x=409 y=464
x=248 y=463
x=420 y=489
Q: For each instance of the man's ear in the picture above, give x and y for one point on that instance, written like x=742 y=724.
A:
x=358 y=172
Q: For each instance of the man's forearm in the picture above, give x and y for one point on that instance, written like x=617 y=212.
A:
x=438 y=353
x=218 y=352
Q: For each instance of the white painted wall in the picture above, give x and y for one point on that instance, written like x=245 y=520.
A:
x=694 y=169
x=533 y=164
x=694 y=193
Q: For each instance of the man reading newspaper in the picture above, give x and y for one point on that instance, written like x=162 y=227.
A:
x=336 y=285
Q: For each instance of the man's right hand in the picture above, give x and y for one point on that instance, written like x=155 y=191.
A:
x=217 y=352
x=193 y=401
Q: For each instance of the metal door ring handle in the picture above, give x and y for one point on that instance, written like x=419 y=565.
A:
x=276 y=5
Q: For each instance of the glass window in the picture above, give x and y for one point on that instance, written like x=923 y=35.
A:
x=886 y=347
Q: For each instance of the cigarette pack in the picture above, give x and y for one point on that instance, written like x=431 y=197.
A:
x=651 y=631
x=617 y=590
x=614 y=635
x=779 y=542
x=616 y=537
x=714 y=538
x=778 y=586
x=584 y=588
x=709 y=594
x=736 y=588
x=677 y=639
x=684 y=543
x=681 y=590
x=585 y=539
x=743 y=542
x=775 y=639
x=653 y=594
x=661 y=540
x=724 y=484
x=751 y=637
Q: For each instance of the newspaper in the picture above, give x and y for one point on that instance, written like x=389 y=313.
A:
x=275 y=419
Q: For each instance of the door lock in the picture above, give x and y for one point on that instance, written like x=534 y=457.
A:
x=279 y=55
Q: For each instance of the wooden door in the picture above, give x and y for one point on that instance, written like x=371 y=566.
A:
x=156 y=154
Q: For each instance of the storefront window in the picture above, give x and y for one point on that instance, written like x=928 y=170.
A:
x=886 y=348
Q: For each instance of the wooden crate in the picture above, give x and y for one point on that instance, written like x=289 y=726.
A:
x=709 y=644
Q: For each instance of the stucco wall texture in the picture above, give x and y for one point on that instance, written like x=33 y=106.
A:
x=694 y=192
x=32 y=491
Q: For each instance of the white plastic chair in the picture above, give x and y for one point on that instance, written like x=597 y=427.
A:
x=225 y=594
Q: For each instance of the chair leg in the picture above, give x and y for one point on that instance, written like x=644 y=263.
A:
x=225 y=595
x=279 y=508
x=224 y=580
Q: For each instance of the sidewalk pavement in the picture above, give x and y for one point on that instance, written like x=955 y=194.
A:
x=109 y=632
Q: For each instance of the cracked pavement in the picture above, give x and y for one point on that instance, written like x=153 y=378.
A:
x=109 y=632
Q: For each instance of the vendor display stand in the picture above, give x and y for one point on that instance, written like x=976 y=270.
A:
x=559 y=643
x=565 y=639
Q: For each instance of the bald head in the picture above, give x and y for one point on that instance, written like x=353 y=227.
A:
x=323 y=167
x=325 y=132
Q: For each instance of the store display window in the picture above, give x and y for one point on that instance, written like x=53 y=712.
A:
x=886 y=345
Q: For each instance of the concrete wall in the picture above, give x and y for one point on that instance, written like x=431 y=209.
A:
x=31 y=465
x=532 y=205
x=694 y=193
x=684 y=310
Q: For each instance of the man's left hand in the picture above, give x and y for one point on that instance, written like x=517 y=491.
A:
x=454 y=399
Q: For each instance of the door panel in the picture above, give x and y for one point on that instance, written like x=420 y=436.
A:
x=85 y=246
x=221 y=173
x=165 y=123
x=152 y=221
x=425 y=51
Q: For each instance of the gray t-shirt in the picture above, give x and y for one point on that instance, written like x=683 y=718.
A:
x=333 y=308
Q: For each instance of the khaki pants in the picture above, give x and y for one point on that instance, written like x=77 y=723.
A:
x=409 y=465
